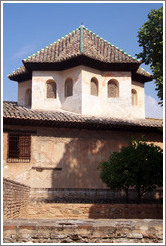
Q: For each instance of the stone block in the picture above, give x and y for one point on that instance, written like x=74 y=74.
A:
x=135 y=235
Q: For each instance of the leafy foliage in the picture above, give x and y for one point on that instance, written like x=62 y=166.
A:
x=151 y=39
x=139 y=165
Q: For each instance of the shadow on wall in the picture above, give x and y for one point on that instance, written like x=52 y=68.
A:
x=80 y=157
x=126 y=211
x=78 y=166
x=75 y=177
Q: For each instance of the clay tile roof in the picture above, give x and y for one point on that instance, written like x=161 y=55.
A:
x=143 y=72
x=20 y=72
x=13 y=113
x=81 y=42
x=96 y=47
x=141 y=75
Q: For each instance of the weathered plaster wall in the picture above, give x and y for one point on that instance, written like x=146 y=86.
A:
x=81 y=101
x=74 y=102
x=22 y=88
x=119 y=107
x=76 y=152
x=39 y=99
x=138 y=111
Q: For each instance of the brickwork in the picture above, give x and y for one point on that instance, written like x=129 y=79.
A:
x=84 y=231
x=15 y=199
x=77 y=223
x=94 y=211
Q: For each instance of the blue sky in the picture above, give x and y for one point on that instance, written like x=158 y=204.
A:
x=28 y=27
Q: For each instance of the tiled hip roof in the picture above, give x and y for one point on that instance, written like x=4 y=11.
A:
x=15 y=114
x=82 y=45
x=81 y=41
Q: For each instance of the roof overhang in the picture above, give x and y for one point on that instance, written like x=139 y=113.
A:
x=14 y=114
x=141 y=78
x=70 y=63
x=80 y=60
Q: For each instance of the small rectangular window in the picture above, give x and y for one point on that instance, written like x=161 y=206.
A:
x=19 y=147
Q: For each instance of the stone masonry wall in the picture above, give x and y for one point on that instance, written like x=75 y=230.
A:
x=84 y=231
x=15 y=199
x=94 y=211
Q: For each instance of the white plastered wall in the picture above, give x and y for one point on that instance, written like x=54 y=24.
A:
x=101 y=105
x=39 y=99
x=81 y=101
x=138 y=111
x=22 y=88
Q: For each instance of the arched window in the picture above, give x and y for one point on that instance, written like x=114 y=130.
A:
x=134 y=97
x=94 y=87
x=51 y=89
x=68 y=88
x=28 y=96
x=113 y=88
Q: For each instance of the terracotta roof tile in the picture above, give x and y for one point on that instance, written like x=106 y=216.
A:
x=12 y=112
x=80 y=42
x=99 y=49
x=21 y=70
x=143 y=72
x=58 y=51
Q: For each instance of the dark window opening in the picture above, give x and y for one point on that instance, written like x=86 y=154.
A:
x=94 y=87
x=134 y=97
x=28 y=98
x=113 y=89
x=51 y=89
x=19 y=147
x=68 y=88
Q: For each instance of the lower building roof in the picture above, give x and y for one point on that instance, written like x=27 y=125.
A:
x=16 y=114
